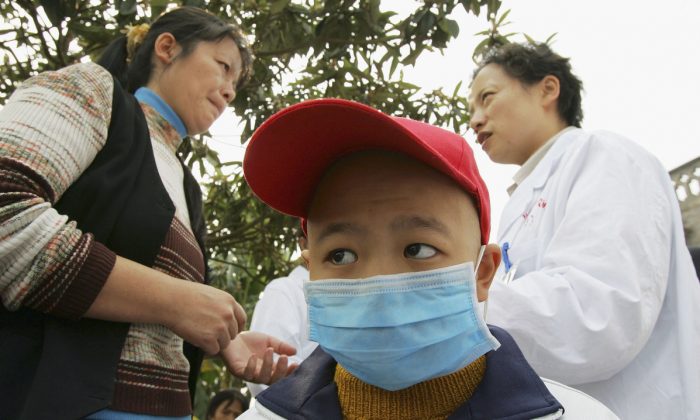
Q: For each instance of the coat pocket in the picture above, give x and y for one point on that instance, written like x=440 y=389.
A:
x=523 y=256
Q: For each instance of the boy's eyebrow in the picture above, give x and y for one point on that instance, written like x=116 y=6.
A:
x=412 y=222
x=341 y=227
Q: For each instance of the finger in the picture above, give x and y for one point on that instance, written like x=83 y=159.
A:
x=292 y=368
x=210 y=347
x=280 y=370
x=240 y=315
x=223 y=340
x=232 y=324
x=281 y=347
x=263 y=376
x=249 y=372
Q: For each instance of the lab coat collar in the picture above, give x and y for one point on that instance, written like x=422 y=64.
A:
x=534 y=160
x=523 y=197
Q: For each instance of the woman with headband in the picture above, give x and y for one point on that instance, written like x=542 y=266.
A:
x=105 y=302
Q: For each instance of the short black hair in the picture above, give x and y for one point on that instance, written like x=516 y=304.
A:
x=226 y=396
x=532 y=62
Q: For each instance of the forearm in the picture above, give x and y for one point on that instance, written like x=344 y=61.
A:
x=207 y=317
x=138 y=294
x=204 y=316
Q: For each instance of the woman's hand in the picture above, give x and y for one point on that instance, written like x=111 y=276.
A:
x=207 y=317
x=249 y=357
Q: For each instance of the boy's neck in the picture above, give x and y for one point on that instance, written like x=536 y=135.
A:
x=359 y=400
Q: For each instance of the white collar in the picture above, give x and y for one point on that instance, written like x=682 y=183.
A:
x=532 y=162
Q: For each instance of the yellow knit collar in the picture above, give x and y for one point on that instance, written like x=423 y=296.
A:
x=433 y=399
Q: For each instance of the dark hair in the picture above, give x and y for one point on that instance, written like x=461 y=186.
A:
x=226 y=396
x=530 y=63
x=189 y=25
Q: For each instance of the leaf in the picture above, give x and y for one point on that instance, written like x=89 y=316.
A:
x=278 y=6
x=440 y=38
x=331 y=5
x=85 y=31
x=408 y=86
x=456 y=90
x=493 y=6
x=505 y=15
x=417 y=17
x=425 y=25
x=480 y=49
x=394 y=64
x=374 y=12
x=126 y=7
x=467 y=4
x=158 y=7
x=55 y=11
x=449 y=26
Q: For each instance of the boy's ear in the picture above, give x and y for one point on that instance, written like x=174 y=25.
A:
x=487 y=270
x=307 y=258
x=303 y=243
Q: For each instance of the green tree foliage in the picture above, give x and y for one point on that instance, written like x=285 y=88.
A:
x=352 y=49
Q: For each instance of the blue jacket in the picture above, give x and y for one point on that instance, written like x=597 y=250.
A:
x=509 y=390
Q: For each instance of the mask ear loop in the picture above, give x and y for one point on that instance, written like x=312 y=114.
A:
x=478 y=261
x=486 y=308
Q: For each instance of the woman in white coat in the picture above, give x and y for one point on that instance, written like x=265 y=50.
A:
x=598 y=287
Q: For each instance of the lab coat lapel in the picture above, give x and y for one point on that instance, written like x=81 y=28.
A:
x=524 y=196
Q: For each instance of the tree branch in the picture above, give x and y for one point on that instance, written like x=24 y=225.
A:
x=29 y=6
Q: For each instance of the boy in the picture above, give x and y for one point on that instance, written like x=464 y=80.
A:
x=397 y=219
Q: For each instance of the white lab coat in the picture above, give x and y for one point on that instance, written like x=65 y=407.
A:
x=605 y=297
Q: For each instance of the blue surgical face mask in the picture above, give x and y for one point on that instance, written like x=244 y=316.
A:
x=395 y=331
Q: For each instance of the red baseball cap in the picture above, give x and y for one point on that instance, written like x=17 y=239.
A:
x=289 y=153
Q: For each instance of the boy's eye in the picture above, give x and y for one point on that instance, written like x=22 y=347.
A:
x=225 y=66
x=419 y=251
x=342 y=257
x=485 y=95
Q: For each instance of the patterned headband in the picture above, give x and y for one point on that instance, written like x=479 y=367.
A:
x=135 y=34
